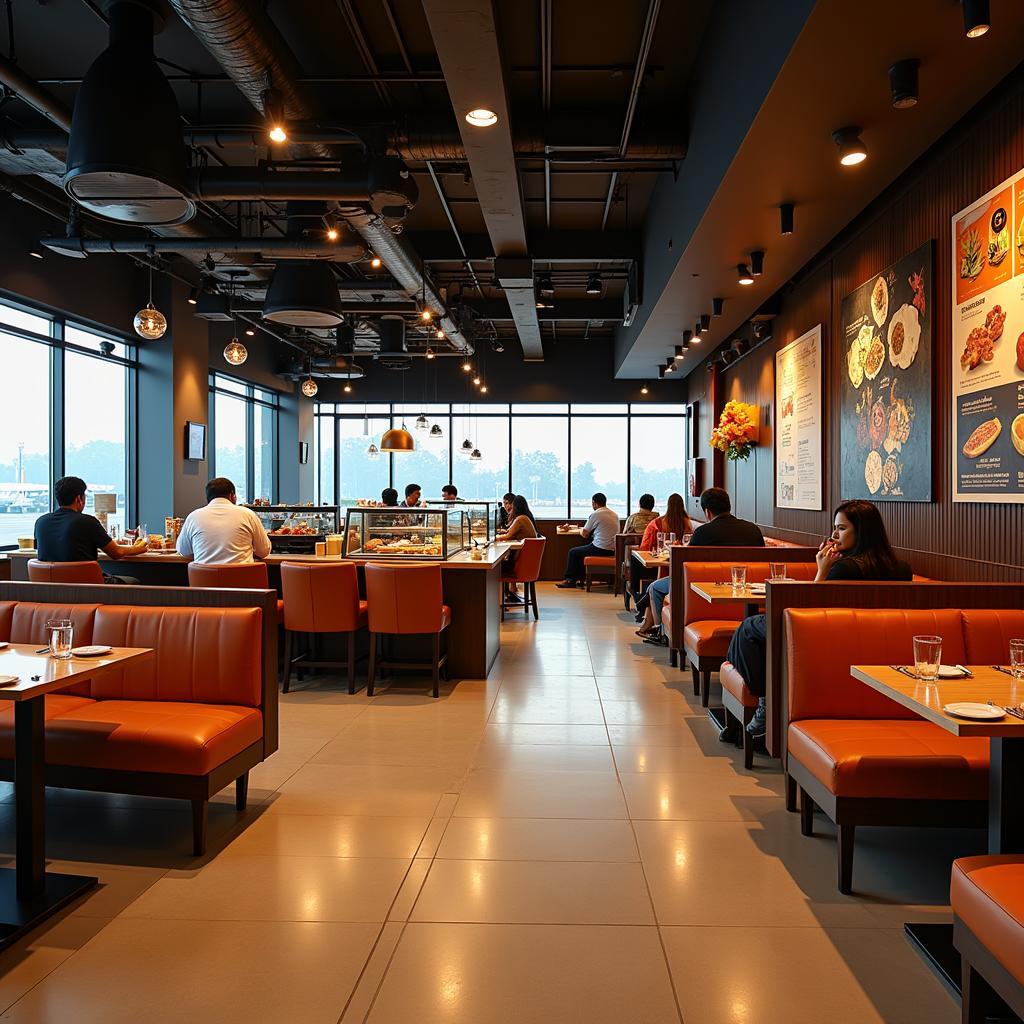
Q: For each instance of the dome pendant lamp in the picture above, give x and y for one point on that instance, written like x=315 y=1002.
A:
x=149 y=322
x=397 y=440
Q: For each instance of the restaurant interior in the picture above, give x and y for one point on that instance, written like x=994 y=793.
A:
x=512 y=511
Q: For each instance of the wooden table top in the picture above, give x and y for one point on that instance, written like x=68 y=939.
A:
x=722 y=593
x=649 y=560
x=928 y=699
x=54 y=674
x=573 y=531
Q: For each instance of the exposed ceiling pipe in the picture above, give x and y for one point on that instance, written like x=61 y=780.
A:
x=349 y=251
x=248 y=46
x=34 y=95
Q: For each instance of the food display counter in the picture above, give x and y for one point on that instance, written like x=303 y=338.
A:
x=296 y=528
x=481 y=517
x=418 y=534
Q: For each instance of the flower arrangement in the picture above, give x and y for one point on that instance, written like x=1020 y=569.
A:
x=736 y=433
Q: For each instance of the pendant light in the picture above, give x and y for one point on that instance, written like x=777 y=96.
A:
x=309 y=387
x=422 y=423
x=149 y=322
x=475 y=456
x=436 y=432
x=366 y=422
x=234 y=351
x=466 y=448
x=373 y=451
x=398 y=439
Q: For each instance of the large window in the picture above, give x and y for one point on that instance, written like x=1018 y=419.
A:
x=243 y=424
x=556 y=455
x=66 y=402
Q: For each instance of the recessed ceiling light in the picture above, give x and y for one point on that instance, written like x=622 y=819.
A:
x=976 y=18
x=743 y=274
x=481 y=117
x=852 y=150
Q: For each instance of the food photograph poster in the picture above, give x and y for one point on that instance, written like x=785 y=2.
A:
x=988 y=346
x=798 y=423
x=886 y=409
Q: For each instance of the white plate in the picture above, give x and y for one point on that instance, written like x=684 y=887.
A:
x=757 y=588
x=950 y=672
x=9 y=680
x=3 y=644
x=93 y=651
x=967 y=709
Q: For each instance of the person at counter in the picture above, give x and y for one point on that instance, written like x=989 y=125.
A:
x=522 y=526
x=222 y=531
x=68 y=534
x=723 y=529
x=638 y=521
x=505 y=511
x=599 y=530
x=450 y=493
x=412 y=496
x=389 y=496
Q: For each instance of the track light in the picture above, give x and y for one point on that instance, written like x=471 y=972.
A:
x=663 y=373
x=697 y=331
x=594 y=284
x=716 y=306
x=903 y=83
x=670 y=365
x=786 y=219
x=273 y=113
x=681 y=351
x=743 y=274
x=976 y=18
x=705 y=323
x=193 y=296
x=757 y=263
x=687 y=338
x=852 y=150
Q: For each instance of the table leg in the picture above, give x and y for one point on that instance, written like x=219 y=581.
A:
x=1005 y=785
x=29 y=797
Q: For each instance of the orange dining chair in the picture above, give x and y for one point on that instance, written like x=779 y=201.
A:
x=526 y=570
x=407 y=600
x=234 y=575
x=64 y=572
x=322 y=599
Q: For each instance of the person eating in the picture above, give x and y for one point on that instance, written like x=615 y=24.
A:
x=637 y=522
x=223 y=532
x=412 y=496
x=599 y=530
x=648 y=608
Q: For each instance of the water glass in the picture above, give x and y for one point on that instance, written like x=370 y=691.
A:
x=739 y=579
x=60 y=633
x=141 y=531
x=927 y=656
x=687 y=537
x=1017 y=658
x=777 y=570
x=659 y=543
x=671 y=539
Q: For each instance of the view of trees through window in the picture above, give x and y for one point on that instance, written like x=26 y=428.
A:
x=243 y=421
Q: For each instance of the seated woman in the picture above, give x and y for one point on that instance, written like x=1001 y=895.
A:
x=505 y=511
x=521 y=526
x=858 y=549
x=648 y=608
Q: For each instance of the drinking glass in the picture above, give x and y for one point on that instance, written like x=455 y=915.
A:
x=141 y=531
x=61 y=635
x=671 y=539
x=1017 y=658
x=927 y=656
x=659 y=543
x=687 y=537
x=739 y=579
x=777 y=570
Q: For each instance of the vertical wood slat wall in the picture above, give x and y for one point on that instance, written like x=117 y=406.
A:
x=963 y=541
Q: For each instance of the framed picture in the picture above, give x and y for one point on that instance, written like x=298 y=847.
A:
x=303 y=453
x=195 y=441
x=694 y=477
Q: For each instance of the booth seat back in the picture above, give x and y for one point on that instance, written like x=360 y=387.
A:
x=718 y=572
x=988 y=632
x=822 y=644
x=24 y=622
x=203 y=655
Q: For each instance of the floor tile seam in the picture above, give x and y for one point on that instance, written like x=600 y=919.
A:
x=363 y=970
x=539 y=860
x=539 y=924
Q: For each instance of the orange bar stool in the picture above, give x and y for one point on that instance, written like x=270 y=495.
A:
x=322 y=599
x=599 y=567
x=235 y=575
x=64 y=572
x=526 y=570
x=407 y=600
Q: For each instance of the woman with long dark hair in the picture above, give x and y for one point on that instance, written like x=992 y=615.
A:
x=521 y=525
x=857 y=549
x=674 y=520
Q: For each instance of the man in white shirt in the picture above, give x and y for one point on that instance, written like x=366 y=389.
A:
x=600 y=530
x=221 y=532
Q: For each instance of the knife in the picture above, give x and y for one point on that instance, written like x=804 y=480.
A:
x=967 y=673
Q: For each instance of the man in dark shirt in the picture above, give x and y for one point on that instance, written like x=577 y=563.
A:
x=69 y=535
x=723 y=529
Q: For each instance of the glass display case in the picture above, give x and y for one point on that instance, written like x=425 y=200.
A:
x=295 y=529
x=419 y=534
x=480 y=517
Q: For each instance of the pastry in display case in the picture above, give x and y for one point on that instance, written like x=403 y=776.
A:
x=480 y=517
x=295 y=529
x=413 y=533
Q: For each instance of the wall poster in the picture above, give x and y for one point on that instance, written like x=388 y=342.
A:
x=886 y=415
x=988 y=346
x=798 y=423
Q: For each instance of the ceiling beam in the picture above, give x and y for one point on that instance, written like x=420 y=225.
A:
x=557 y=247
x=465 y=35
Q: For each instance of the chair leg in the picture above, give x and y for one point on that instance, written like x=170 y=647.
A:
x=590 y=580
x=846 y=833
x=352 y=662
x=371 y=672
x=241 y=791
x=288 y=634
x=533 y=601
x=436 y=663
x=806 y=813
x=748 y=750
x=673 y=656
x=696 y=679
x=790 y=793
x=625 y=596
x=705 y=689
x=978 y=1000
x=199 y=820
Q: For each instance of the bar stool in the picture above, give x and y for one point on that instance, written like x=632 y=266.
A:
x=322 y=599
x=406 y=600
x=64 y=572
x=526 y=570
x=234 y=575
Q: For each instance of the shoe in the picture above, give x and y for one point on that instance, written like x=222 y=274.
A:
x=757 y=727
x=640 y=617
x=645 y=633
x=566 y=585
x=658 y=639
x=513 y=599
x=730 y=734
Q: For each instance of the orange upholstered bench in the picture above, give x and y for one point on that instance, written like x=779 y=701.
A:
x=601 y=566
x=987 y=895
x=740 y=705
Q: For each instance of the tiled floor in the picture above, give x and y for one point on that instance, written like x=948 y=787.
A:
x=565 y=841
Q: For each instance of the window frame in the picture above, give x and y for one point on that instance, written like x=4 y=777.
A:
x=252 y=397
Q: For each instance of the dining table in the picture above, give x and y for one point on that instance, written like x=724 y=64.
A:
x=752 y=597
x=990 y=686
x=28 y=892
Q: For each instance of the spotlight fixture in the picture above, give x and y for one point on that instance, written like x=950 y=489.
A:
x=852 y=150
x=429 y=353
x=467 y=366
x=347 y=388
x=235 y=352
x=903 y=83
x=786 y=219
x=757 y=263
x=497 y=345
x=716 y=306
x=481 y=117
x=594 y=284
x=309 y=388
x=698 y=330
x=545 y=285
x=149 y=322
x=439 y=334
x=193 y=296
x=375 y=263
x=976 y=18
x=250 y=332
x=644 y=389
x=743 y=274
x=332 y=234
x=662 y=373
x=705 y=323
x=681 y=351
x=273 y=113
x=670 y=365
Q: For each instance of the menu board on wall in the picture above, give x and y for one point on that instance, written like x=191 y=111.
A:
x=886 y=414
x=988 y=346
x=798 y=423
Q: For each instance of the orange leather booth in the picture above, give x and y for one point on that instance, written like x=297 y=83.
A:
x=864 y=759
x=183 y=723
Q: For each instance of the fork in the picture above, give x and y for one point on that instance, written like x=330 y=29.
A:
x=1005 y=671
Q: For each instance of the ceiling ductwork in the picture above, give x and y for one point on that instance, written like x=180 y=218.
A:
x=126 y=158
x=303 y=294
x=349 y=248
x=392 y=354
